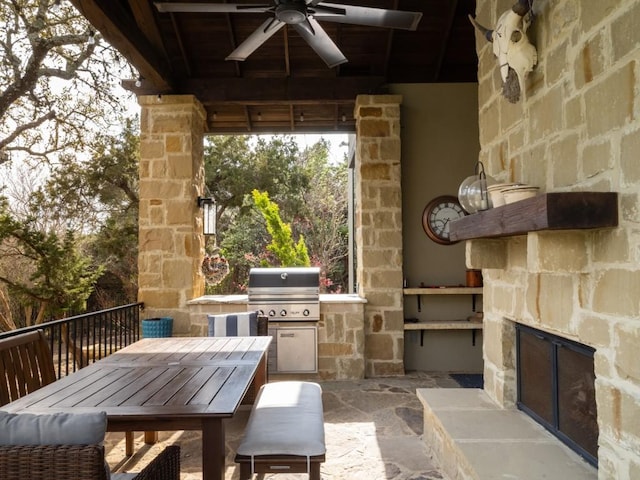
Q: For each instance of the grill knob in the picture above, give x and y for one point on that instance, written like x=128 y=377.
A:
x=283 y=313
x=272 y=313
x=306 y=312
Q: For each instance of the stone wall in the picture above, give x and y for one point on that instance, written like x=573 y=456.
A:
x=171 y=245
x=576 y=128
x=378 y=224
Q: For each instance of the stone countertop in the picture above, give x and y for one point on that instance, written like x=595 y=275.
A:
x=242 y=299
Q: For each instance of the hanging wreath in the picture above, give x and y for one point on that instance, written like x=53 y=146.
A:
x=214 y=269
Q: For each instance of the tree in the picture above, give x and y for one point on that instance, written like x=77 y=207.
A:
x=57 y=79
x=309 y=190
x=57 y=278
x=287 y=252
x=324 y=219
x=103 y=193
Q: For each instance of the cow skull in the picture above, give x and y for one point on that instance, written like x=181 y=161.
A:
x=511 y=46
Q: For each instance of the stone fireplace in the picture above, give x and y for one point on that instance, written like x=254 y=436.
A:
x=575 y=129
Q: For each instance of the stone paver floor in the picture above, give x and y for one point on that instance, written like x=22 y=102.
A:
x=373 y=430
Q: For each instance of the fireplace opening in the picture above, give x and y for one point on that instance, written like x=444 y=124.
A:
x=556 y=387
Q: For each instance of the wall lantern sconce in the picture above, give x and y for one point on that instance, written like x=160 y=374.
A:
x=208 y=215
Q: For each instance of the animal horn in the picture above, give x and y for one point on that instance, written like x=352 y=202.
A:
x=488 y=34
x=522 y=7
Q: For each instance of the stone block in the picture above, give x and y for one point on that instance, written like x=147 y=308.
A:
x=151 y=149
x=624 y=31
x=180 y=166
x=386 y=279
x=556 y=63
x=611 y=101
x=611 y=246
x=388 y=369
x=375 y=171
x=597 y=158
x=333 y=350
x=590 y=63
x=573 y=112
x=564 y=251
x=551 y=300
x=374 y=128
x=594 y=331
x=626 y=355
x=546 y=114
x=564 y=154
x=483 y=253
x=629 y=164
x=379 y=346
x=176 y=273
x=160 y=239
x=617 y=292
x=159 y=298
x=370 y=112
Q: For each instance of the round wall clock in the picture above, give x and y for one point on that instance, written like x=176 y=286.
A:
x=437 y=216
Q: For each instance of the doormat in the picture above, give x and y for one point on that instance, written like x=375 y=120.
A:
x=468 y=380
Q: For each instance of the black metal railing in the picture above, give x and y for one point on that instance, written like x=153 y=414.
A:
x=82 y=339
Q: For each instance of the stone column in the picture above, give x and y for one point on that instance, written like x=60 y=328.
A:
x=378 y=206
x=171 y=245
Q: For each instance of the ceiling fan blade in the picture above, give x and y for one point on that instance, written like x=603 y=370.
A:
x=369 y=16
x=321 y=43
x=210 y=7
x=263 y=33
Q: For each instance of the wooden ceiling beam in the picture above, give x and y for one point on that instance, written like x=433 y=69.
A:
x=119 y=29
x=286 y=90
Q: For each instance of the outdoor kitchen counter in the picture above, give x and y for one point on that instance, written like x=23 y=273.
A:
x=340 y=331
x=242 y=299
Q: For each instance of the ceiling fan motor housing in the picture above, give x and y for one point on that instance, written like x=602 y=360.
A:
x=291 y=12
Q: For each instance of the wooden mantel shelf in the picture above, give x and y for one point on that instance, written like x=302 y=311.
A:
x=550 y=211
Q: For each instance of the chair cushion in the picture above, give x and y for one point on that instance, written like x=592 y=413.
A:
x=287 y=419
x=53 y=429
x=241 y=324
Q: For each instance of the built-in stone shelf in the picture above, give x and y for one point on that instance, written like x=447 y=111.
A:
x=550 y=211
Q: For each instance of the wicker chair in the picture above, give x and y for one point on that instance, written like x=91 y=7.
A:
x=78 y=462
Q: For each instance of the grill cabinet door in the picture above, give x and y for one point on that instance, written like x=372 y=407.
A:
x=296 y=350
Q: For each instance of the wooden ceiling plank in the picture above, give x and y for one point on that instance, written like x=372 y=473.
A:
x=183 y=51
x=451 y=16
x=120 y=30
x=234 y=42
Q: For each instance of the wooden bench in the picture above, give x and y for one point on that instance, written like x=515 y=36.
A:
x=285 y=431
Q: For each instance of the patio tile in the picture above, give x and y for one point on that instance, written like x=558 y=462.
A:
x=373 y=430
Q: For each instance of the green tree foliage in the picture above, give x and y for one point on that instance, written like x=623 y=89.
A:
x=103 y=194
x=57 y=88
x=59 y=278
x=309 y=189
x=287 y=252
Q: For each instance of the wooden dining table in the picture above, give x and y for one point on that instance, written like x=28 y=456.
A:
x=163 y=384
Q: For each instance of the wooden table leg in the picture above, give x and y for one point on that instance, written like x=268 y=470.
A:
x=213 y=449
x=151 y=438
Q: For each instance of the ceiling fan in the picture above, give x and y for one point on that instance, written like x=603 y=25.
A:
x=303 y=16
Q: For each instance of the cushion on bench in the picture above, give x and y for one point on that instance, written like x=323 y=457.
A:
x=242 y=324
x=286 y=419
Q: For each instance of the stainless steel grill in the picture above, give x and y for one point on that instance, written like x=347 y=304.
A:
x=290 y=297
x=285 y=294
